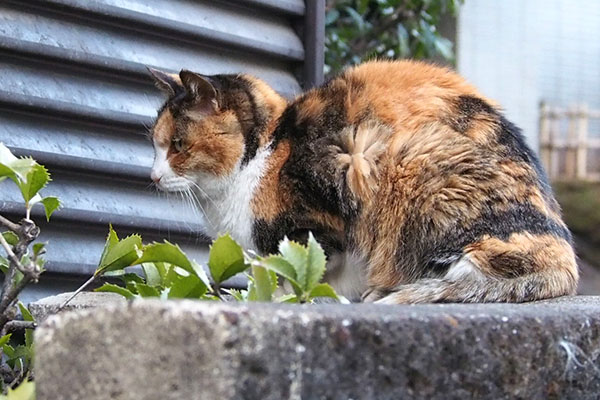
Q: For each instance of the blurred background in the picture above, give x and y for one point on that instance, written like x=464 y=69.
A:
x=540 y=59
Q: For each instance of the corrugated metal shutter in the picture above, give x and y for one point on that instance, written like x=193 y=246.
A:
x=75 y=94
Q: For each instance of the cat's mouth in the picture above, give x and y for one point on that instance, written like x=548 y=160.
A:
x=173 y=184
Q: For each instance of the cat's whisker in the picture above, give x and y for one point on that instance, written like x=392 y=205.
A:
x=197 y=202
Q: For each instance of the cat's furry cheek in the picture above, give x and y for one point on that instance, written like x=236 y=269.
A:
x=163 y=175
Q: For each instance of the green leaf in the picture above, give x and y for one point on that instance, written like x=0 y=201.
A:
x=297 y=255
x=146 y=291
x=287 y=298
x=4 y=339
x=165 y=252
x=25 y=312
x=9 y=351
x=323 y=290
x=283 y=268
x=109 y=287
x=27 y=317
x=331 y=16
x=224 y=254
x=263 y=285
x=25 y=391
x=239 y=295
x=11 y=237
x=111 y=240
x=234 y=269
x=153 y=277
x=12 y=167
x=50 y=204
x=121 y=255
x=131 y=277
x=201 y=273
x=4 y=264
x=316 y=262
x=186 y=287
x=38 y=248
x=37 y=178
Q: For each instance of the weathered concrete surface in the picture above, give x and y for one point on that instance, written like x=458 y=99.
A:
x=193 y=350
x=47 y=306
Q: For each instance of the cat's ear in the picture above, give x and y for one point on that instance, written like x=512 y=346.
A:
x=204 y=92
x=168 y=83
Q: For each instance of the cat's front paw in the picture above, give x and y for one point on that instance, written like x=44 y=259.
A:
x=371 y=295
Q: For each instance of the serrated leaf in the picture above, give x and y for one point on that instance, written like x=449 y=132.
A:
x=9 y=351
x=4 y=339
x=283 y=268
x=121 y=255
x=153 y=277
x=165 y=252
x=111 y=240
x=11 y=237
x=234 y=269
x=201 y=273
x=316 y=262
x=109 y=287
x=186 y=287
x=297 y=255
x=323 y=290
x=12 y=167
x=50 y=204
x=36 y=179
x=224 y=253
x=263 y=285
x=146 y=291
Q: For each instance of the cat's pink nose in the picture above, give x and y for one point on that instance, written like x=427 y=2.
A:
x=155 y=178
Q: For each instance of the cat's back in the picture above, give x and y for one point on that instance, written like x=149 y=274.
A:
x=403 y=94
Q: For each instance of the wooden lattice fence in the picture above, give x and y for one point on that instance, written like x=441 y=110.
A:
x=568 y=147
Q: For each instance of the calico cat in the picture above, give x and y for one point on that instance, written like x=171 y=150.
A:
x=416 y=185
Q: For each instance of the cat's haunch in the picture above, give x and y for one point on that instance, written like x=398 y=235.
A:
x=415 y=184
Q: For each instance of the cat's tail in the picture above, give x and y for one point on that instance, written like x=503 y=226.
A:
x=548 y=283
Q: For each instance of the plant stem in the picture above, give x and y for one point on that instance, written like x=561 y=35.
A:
x=9 y=224
x=10 y=297
x=17 y=326
x=77 y=292
x=12 y=256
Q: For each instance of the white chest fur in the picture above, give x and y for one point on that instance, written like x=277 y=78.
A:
x=227 y=201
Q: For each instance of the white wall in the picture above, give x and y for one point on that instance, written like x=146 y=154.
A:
x=520 y=52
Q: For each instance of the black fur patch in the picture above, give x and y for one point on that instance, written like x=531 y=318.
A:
x=295 y=226
x=467 y=108
x=429 y=250
x=236 y=93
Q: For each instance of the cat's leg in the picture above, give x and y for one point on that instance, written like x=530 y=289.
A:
x=524 y=268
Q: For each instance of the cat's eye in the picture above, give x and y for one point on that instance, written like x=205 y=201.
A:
x=177 y=144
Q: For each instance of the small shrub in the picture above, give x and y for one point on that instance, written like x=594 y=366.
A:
x=168 y=273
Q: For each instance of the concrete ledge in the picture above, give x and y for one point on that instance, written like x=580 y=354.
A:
x=205 y=350
x=47 y=306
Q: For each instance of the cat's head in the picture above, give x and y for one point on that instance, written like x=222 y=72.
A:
x=209 y=128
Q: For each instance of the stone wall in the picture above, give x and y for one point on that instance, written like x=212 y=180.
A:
x=205 y=350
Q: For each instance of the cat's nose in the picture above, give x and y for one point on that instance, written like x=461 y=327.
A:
x=155 y=177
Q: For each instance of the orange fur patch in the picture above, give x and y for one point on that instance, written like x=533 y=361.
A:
x=214 y=145
x=164 y=128
x=522 y=253
x=362 y=147
x=272 y=197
